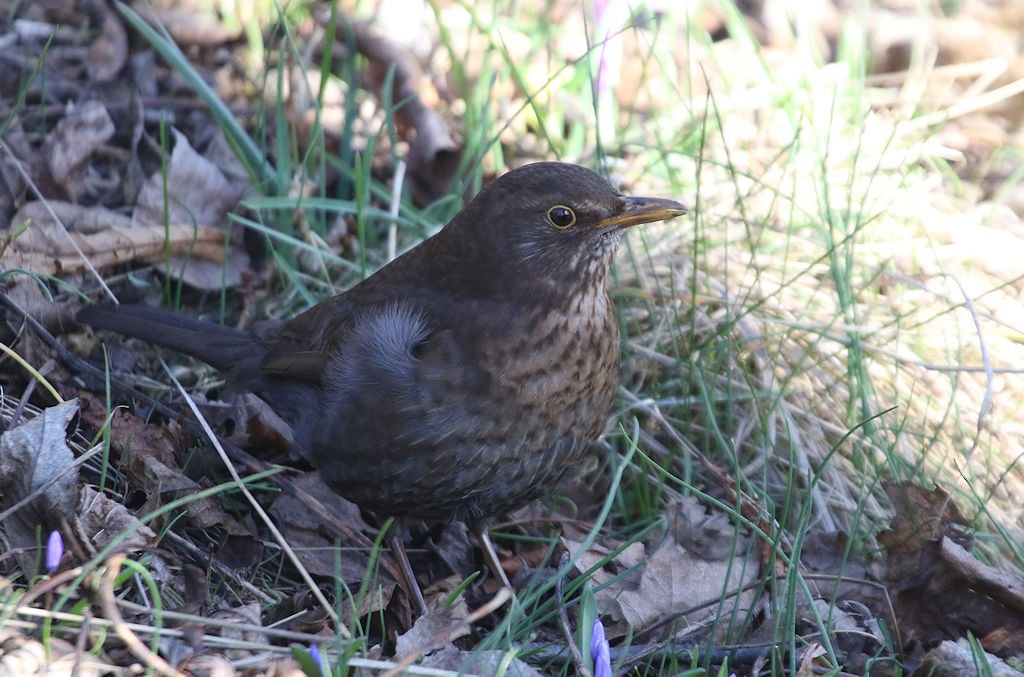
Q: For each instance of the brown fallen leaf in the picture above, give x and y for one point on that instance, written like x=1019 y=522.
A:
x=429 y=642
x=131 y=436
x=37 y=464
x=247 y=614
x=707 y=533
x=197 y=191
x=921 y=516
x=21 y=655
x=108 y=53
x=318 y=547
x=103 y=521
x=666 y=583
x=433 y=625
x=48 y=248
x=81 y=131
x=940 y=590
x=192 y=189
x=164 y=483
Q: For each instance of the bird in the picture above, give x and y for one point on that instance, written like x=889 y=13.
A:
x=460 y=381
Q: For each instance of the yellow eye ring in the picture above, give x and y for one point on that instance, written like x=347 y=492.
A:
x=561 y=217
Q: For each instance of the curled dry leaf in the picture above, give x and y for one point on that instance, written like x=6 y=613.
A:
x=163 y=483
x=105 y=238
x=109 y=51
x=197 y=190
x=707 y=533
x=105 y=521
x=194 y=190
x=242 y=614
x=21 y=655
x=219 y=666
x=77 y=136
x=35 y=460
x=434 y=629
x=430 y=639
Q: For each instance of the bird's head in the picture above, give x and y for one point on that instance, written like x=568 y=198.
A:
x=552 y=222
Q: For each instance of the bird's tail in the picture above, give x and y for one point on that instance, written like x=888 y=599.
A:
x=221 y=347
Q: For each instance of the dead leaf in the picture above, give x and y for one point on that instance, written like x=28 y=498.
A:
x=808 y=666
x=109 y=51
x=35 y=455
x=77 y=136
x=163 y=483
x=432 y=635
x=247 y=614
x=1005 y=641
x=316 y=544
x=132 y=437
x=191 y=189
x=198 y=192
x=708 y=533
x=458 y=661
x=76 y=218
x=920 y=516
x=219 y=666
x=433 y=625
x=666 y=583
x=953 y=659
x=46 y=248
x=188 y=25
x=940 y=590
x=103 y=521
x=21 y=655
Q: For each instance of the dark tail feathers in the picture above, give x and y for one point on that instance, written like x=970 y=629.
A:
x=221 y=347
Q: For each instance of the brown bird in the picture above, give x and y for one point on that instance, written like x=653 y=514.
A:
x=463 y=379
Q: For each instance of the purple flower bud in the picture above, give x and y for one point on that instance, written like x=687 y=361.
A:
x=314 y=653
x=600 y=652
x=54 y=551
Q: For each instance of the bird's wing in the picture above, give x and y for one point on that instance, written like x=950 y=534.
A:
x=302 y=347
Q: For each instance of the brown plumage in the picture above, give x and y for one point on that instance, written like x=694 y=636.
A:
x=464 y=378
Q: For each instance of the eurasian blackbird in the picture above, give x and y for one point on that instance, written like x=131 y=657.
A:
x=463 y=379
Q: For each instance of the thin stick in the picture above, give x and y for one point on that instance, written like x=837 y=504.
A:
x=108 y=603
x=278 y=536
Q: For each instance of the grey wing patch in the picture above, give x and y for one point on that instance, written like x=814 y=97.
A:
x=379 y=354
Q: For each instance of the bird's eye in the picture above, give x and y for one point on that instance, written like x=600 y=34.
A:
x=561 y=217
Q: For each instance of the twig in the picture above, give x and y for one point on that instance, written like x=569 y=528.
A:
x=108 y=603
x=278 y=536
x=563 y=620
x=27 y=395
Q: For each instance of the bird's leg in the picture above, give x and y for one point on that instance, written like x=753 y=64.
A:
x=490 y=556
x=411 y=586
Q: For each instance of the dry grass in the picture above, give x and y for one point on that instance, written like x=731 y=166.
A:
x=839 y=248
